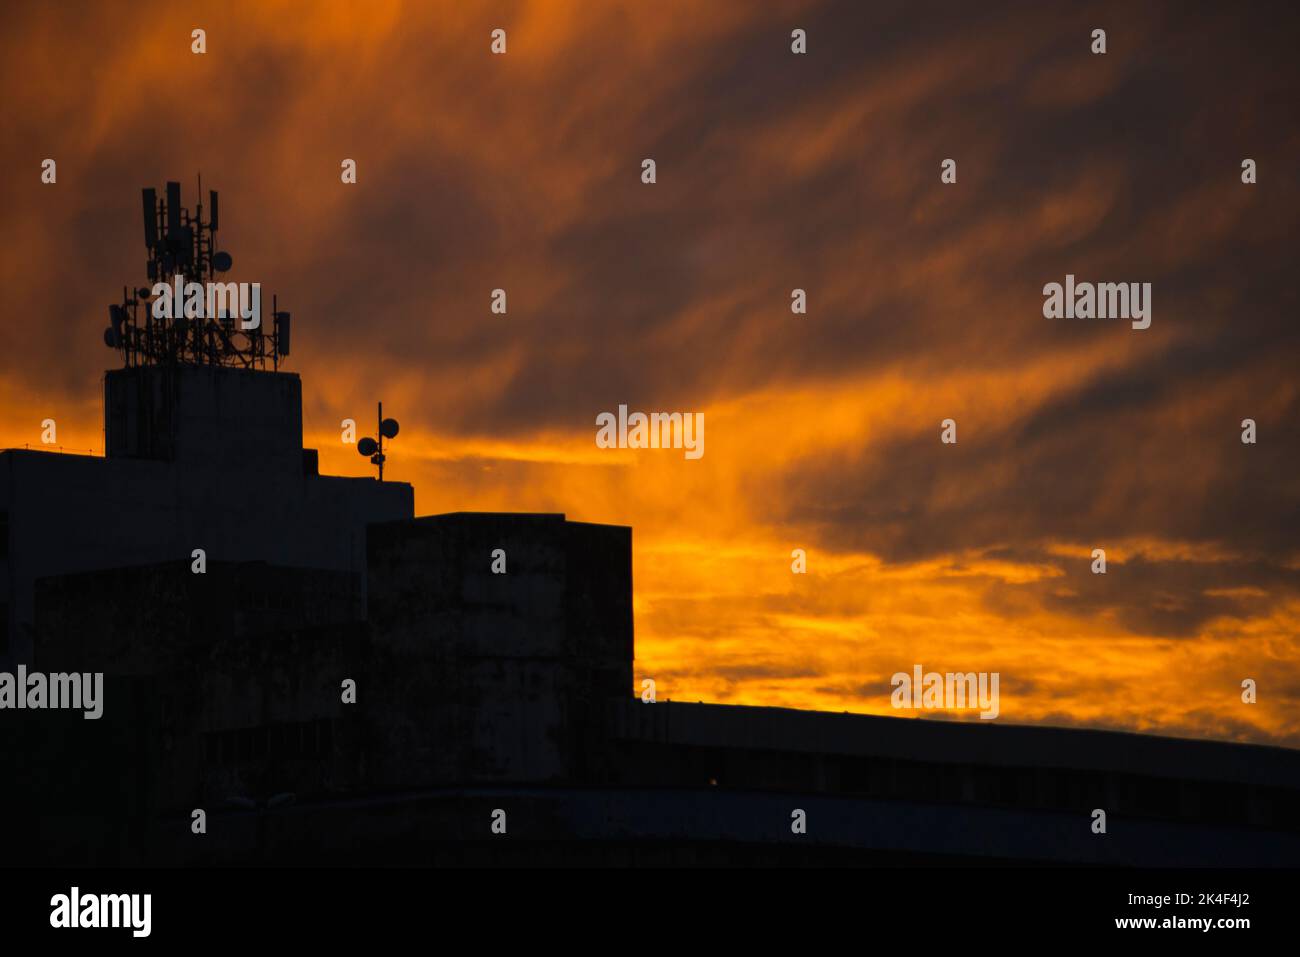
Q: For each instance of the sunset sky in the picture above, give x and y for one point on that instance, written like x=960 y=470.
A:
x=775 y=171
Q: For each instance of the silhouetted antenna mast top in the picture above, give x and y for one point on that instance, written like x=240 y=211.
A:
x=207 y=325
x=375 y=448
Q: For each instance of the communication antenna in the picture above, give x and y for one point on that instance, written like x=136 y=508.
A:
x=375 y=449
x=182 y=249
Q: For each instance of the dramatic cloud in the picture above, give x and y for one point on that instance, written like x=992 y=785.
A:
x=775 y=171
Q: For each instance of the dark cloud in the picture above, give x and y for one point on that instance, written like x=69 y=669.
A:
x=775 y=172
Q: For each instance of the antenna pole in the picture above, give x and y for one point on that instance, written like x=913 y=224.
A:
x=379 y=430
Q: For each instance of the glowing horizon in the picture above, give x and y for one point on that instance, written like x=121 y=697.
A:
x=924 y=303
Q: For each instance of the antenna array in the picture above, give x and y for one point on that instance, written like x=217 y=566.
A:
x=181 y=244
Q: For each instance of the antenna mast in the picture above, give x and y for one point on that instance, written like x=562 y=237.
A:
x=388 y=429
x=182 y=250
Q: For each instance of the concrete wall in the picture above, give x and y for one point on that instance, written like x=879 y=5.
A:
x=156 y=619
x=462 y=675
x=205 y=415
x=502 y=677
x=239 y=658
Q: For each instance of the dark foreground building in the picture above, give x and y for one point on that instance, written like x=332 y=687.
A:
x=206 y=458
x=341 y=682
x=479 y=693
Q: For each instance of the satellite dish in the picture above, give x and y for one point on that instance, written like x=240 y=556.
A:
x=367 y=447
x=144 y=293
x=222 y=262
x=112 y=338
x=388 y=428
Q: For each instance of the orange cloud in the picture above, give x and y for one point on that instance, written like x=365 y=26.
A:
x=775 y=172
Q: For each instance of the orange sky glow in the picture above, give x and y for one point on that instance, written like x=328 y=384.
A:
x=774 y=172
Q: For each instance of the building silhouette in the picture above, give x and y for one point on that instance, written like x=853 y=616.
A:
x=475 y=691
x=196 y=457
